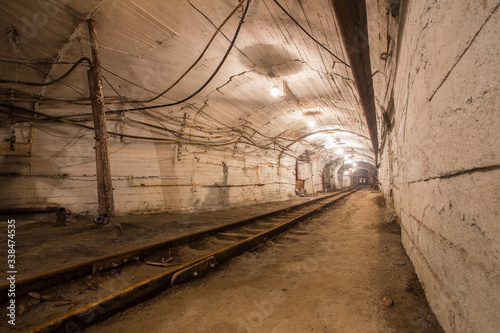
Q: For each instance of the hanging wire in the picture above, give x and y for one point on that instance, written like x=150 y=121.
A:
x=203 y=53
x=35 y=84
x=239 y=137
x=242 y=20
x=162 y=127
x=308 y=34
x=218 y=30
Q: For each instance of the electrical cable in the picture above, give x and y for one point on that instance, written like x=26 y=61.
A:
x=123 y=98
x=145 y=107
x=35 y=84
x=31 y=62
x=185 y=99
x=62 y=136
x=218 y=29
x=242 y=20
x=196 y=127
x=241 y=136
x=38 y=98
x=213 y=144
x=30 y=97
x=222 y=33
x=238 y=139
x=72 y=87
x=199 y=57
x=179 y=133
x=308 y=34
x=121 y=134
x=162 y=127
x=128 y=81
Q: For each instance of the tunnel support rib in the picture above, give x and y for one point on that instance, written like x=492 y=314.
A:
x=106 y=205
x=353 y=26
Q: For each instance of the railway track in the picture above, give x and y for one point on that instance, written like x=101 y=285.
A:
x=76 y=296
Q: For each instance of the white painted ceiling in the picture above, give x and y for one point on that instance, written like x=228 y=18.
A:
x=146 y=45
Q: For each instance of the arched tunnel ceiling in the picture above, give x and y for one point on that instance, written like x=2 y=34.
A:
x=145 y=46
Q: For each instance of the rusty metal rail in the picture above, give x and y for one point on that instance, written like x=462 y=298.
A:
x=104 y=307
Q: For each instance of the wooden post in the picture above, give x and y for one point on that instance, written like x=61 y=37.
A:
x=104 y=185
x=102 y=211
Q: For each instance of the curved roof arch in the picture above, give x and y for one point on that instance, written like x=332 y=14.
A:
x=146 y=46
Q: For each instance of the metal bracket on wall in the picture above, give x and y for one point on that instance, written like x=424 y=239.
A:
x=10 y=147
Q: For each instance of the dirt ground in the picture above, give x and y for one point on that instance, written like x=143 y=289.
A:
x=330 y=274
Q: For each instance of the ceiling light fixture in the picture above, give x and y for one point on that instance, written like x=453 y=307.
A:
x=275 y=91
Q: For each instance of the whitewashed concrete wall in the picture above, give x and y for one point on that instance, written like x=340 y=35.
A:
x=338 y=178
x=318 y=166
x=305 y=173
x=440 y=159
x=314 y=170
x=317 y=171
x=147 y=176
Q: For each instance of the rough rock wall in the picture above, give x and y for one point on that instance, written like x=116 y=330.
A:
x=440 y=151
x=57 y=166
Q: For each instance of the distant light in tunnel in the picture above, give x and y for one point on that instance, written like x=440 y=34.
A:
x=311 y=123
x=275 y=91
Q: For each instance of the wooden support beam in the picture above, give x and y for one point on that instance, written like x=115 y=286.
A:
x=102 y=211
x=104 y=184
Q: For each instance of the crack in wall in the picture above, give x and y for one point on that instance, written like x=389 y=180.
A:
x=437 y=307
x=457 y=173
x=464 y=52
x=229 y=81
x=463 y=253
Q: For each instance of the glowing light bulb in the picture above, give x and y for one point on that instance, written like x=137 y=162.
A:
x=275 y=91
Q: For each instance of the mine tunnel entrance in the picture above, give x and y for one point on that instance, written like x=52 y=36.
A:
x=361 y=177
x=327 y=179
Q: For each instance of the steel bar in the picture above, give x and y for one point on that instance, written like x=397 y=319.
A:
x=51 y=278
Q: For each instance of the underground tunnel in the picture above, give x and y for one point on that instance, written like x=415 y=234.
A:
x=250 y=166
